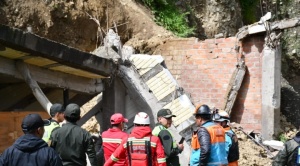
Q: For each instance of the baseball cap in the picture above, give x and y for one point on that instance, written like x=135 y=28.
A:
x=33 y=121
x=55 y=108
x=166 y=113
x=117 y=118
x=72 y=110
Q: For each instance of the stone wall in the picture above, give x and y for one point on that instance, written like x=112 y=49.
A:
x=204 y=69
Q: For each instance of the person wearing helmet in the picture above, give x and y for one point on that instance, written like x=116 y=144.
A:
x=172 y=149
x=112 y=138
x=222 y=118
x=141 y=147
x=211 y=138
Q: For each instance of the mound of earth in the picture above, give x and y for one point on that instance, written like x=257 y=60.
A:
x=83 y=23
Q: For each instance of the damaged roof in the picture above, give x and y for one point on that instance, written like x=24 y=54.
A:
x=35 y=50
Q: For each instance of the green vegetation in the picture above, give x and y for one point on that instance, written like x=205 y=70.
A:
x=282 y=137
x=168 y=16
x=249 y=8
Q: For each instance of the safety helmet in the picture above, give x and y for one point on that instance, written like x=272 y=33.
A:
x=221 y=116
x=202 y=110
x=141 y=118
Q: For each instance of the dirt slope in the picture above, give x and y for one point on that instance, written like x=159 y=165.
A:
x=69 y=22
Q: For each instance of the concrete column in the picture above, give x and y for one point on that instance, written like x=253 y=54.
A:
x=271 y=75
x=113 y=101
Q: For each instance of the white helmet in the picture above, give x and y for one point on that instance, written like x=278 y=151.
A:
x=141 y=118
x=222 y=116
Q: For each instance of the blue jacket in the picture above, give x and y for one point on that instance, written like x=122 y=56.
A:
x=30 y=150
x=211 y=138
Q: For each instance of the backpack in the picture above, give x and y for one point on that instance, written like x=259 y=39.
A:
x=139 y=159
x=233 y=154
x=296 y=155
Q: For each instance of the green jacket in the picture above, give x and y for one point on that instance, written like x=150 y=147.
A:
x=285 y=156
x=48 y=130
x=169 y=144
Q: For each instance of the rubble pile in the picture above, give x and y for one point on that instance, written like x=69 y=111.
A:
x=288 y=130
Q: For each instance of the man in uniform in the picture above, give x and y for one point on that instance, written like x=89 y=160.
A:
x=211 y=138
x=72 y=142
x=232 y=146
x=57 y=116
x=112 y=138
x=171 y=148
x=141 y=147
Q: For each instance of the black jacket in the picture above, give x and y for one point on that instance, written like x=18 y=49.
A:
x=286 y=156
x=30 y=150
x=72 y=142
x=205 y=144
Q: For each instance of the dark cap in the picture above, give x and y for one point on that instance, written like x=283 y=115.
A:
x=72 y=111
x=166 y=113
x=55 y=108
x=33 y=121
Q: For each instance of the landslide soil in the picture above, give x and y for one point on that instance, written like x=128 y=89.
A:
x=70 y=22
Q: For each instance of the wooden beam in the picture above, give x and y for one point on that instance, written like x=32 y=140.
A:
x=54 y=78
x=36 y=90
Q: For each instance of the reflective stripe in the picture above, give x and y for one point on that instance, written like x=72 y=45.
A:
x=112 y=140
x=153 y=144
x=113 y=158
x=161 y=160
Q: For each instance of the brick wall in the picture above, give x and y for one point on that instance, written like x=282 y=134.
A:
x=204 y=69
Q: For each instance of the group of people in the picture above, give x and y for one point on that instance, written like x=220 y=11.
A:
x=47 y=143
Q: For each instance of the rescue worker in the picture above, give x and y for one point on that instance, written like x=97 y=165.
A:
x=290 y=154
x=141 y=147
x=71 y=142
x=211 y=138
x=112 y=138
x=30 y=149
x=57 y=116
x=232 y=145
x=171 y=148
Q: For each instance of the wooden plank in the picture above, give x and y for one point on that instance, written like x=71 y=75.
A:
x=234 y=86
x=54 y=78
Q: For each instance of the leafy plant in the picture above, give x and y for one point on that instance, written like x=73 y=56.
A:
x=282 y=137
x=167 y=15
x=248 y=10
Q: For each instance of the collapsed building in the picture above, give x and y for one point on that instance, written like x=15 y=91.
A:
x=238 y=74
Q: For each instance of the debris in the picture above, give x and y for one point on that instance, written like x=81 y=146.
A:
x=276 y=145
